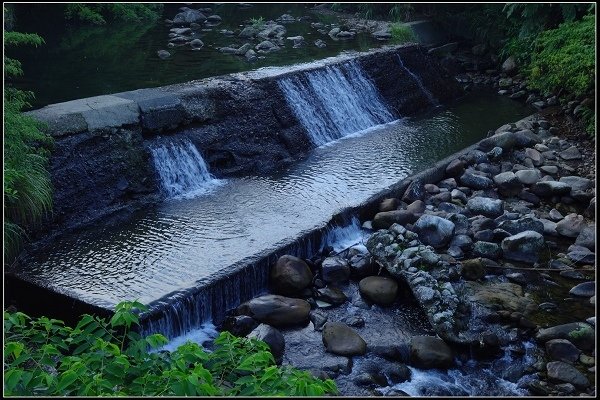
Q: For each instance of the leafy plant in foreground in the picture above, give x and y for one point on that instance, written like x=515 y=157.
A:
x=106 y=358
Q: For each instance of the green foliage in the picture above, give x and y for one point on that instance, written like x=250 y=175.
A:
x=393 y=11
x=401 y=33
x=27 y=188
x=257 y=23
x=97 y=14
x=536 y=17
x=564 y=58
x=98 y=358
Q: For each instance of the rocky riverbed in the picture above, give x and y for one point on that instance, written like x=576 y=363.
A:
x=497 y=255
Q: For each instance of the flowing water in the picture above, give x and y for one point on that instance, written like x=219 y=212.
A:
x=419 y=81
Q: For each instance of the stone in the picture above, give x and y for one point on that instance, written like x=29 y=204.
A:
x=196 y=44
x=508 y=184
x=550 y=188
x=582 y=256
x=388 y=204
x=522 y=225
x=278 y=311
x=535 y=156
x=189 y=16
x=342 y=340
x=485 y=206
x=239 y=325
x=290 y=275
x=555 y=215
x=577 y=183
x=572 y=153
x=361 y=266
x=397 y=373
x=433 y=230
x=273 y=338
x=318 y=318
x=320 y=43
x=581 y=334
x=587 y=237
x=549 y=169
x=585 y=289
x=379 y=290
x=487 y=250
x=455 y=169
x=563 y=372
x=562 y=350
x=427 y=352
x=473 y=269
x=475 y=181
x=335 y=270
x=509 y=65
x=414 y=191
x=331 y=295
x=163 y=54
x=499 y=296
x=251 y=55
x=571 y=225
x=456 y=194
x=266 y=45
x=528 y=176
x=383 y=220
x=525 y=247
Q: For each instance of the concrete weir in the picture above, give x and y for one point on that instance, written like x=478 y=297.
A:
x=241 y=123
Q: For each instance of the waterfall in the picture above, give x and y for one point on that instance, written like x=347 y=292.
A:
x=427 y=93
x=181 y=169
x=335 y=101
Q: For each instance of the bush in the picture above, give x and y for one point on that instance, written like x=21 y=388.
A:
x=98 y=13
x=98 y=358
x=401 y=33
x=27 y=187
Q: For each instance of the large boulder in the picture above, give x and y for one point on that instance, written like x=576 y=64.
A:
x=428 y=352
x=562 y=350
x=584 y=289
x=485 y=206
x=550 y=188
x=275 y=310
x=342 y=340
x=508 y=183
x=587 y=237
x=335 y=270
x=433 y=230
x=290 y=275
x=188 y=17
x=383 y=220
x=571 y=225
x=525 y=246
x=273 y=338
x=378 y=289
x=580 y=334
x=563 y=372
x=499 y=296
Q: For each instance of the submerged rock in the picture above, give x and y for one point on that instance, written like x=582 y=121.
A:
x=335 y=270
x=428 y=352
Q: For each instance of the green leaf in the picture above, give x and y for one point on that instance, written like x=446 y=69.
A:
x=11 y=378
x=65 y=380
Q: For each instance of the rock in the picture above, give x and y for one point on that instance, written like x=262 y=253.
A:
x=579 y=333
x=417 y=207
x=582 y=256
x=248 y=32
x=342 y=340
x=382 y=35
x=487 y=250
x=273 y=338
x=196 y=44
x=379 y=290
x=555 y=215
x=414 y=191
x=473 y=269
x=428 y=352
x=508 y=183
x=509 y=65
x=240 y=325
x=272 y=31
x=353 y=320
x=455 y=169
x=331 y=295
x=563 y=372
x=251 y=55
x=585 y=289
x=522 y=225
x=163 y=54
x=334 y=31
x=397 y=373
x=486 y=206
x=550 y=188
x=276 y=310
x=475 y=181
x=434 y=231
x=572 y=153
x=562 y=350
x=320 y=43
x=290 y=275
x=577 y=183
x=549 y=169
x=345 y=34
x=587 y=237
x=571 y=225
x=383 y=220
x=525 y=246
x=335 y=270
x=189 y=16
x=266 y=45
x=499 y=296
x=318 y=317
x=535 y=156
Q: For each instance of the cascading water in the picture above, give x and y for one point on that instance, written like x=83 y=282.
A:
x=182 y=170
x=335 y=101
x=419 y=81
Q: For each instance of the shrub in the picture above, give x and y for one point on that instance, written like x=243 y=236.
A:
x=98 y=13
x=98 y=358
x=401 y=33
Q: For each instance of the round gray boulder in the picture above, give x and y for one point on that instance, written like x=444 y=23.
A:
x=485 y=206
x=525 y=246
x=342 y=340
x=433 y=230
x=290 y=275
x=428 y=352
x=378 y=289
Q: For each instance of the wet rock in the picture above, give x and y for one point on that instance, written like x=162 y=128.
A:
x=550 y=188
x=580 y=334
x=562 y=350
x=535 y=156
x=240 y=325
x=475 y=181
x=486 y=235
x=388 y=205
x=318 y=318
x=273 y=338
x=508 y=183
x=577 y=183
x=499 y=296
x=266 y=45
x=163 y=54
x=383 y=220
x=354 y=321
x=379 y=290
x=342 y=340
x=487 y=250
x=572 y=153
x=428 y=352
x=417 y=207
x=196 y=44
x=251 y=55
x=189 y=16
x=485 y=206
x=434 y=231
x=320 y=43
x=272 y=31
x=335 y=270
x=331 y=295
x=473 y=269
x=361 y=266
x=572 y=274
x=587 y=237
x=248 y=32
x=455 y=169
x=463 y=242
x=563 y=372
x=275 y=310
x=585 y=289
x=290 y=275
x=414 y=191
x=555 y=215
x=525 y=246
x=522 y=224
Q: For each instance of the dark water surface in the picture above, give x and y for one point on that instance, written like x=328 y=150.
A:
x=181 y=242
